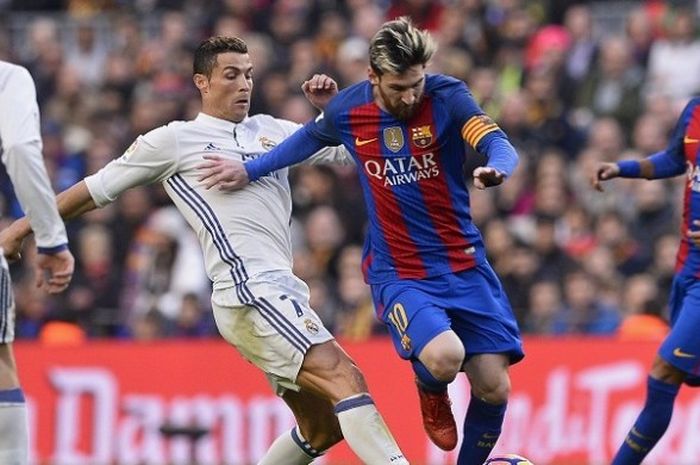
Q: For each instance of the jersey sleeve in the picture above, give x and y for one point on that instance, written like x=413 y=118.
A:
x=671 y=161
x=153 y=157
x=22 y=157
x=477 y=129
x=336 y=155
x=323 y=126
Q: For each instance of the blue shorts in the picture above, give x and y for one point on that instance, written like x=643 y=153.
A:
x=681 y=348
x=471 y=303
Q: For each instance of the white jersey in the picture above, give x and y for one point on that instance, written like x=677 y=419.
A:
x=21 y=154
x=242 y=233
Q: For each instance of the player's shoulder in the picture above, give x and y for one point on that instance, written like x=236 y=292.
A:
x=262 y=122
x=165 y=134
x=443 y=85
x=15 y=72
x=693 y=103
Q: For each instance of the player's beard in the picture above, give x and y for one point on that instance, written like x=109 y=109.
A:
x=400 y=110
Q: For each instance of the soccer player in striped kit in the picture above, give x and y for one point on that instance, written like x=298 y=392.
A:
x=424 y=257
x=260 y=307
x=20 y=136
x=678 y=359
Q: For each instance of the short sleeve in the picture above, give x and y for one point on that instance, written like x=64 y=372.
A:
x=152 y=157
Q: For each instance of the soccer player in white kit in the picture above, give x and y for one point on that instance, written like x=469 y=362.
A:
x=260 y=307
x=21 y=154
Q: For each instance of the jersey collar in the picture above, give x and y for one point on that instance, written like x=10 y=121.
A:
x=218 y=122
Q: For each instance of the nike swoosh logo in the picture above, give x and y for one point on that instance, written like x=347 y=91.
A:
x=679 y=353
x=360 y=142
x=690 y=140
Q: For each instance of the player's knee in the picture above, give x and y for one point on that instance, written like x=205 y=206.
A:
x=493 y=390
x=444 y=364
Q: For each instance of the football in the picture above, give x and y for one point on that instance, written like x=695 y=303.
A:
x=507 y=459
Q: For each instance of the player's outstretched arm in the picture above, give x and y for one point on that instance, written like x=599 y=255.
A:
x=72 y=202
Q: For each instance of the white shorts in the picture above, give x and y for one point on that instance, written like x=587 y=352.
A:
x=7 y=304
x=275 y=330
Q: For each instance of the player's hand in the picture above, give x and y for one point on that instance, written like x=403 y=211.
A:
x=319 y=90
x=54 y=271
x=603 y=172
x=486 y=176
x=11 y=244
x=229 y=175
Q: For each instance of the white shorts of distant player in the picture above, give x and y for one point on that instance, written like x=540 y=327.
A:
x=275 y=330
x=7 y=303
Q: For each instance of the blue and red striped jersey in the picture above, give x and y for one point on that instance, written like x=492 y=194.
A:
x=682 y=155
x=411 y=172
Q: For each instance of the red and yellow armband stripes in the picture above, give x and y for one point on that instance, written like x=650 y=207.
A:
x=476 y=128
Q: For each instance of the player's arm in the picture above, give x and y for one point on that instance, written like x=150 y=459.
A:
x=22 y=157
x=299 y=146
x=151 y=158
x=481 y=133
x=21 y=139
x=502 y=159
x=665 y=164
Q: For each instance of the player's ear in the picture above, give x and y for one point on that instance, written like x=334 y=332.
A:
x=202 y=82
x=373 y=78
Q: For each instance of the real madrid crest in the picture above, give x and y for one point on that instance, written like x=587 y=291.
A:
x=421 y=136
x=267 y=143
x=393 y=138
x=311 y=326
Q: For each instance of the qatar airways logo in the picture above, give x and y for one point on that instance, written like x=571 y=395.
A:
x=403 y=170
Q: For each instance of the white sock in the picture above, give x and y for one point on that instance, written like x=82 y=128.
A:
x=290 y=449
x=366 y=433
x=14 y=448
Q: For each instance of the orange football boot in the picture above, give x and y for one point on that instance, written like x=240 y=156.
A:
x=438 y=421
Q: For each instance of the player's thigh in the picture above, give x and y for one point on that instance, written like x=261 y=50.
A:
x=681 y=348
x=275 y=329
x=315 y=417
x=413 y=316
x=481 y=314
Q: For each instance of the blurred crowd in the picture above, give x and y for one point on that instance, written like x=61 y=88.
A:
x=571 y=83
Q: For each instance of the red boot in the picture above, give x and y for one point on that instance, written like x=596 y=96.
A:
x=438 y=420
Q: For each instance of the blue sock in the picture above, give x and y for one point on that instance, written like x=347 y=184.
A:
x=650 y=425
x=482 y=427
x=426 y=379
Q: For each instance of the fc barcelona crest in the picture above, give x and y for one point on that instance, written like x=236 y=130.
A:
x=393 y=138
x=421 y=136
